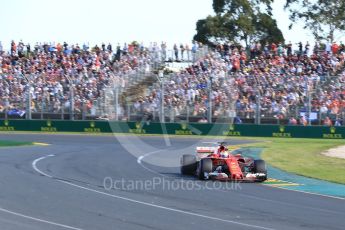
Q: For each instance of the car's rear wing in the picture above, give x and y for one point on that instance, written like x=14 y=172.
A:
x=205 y=151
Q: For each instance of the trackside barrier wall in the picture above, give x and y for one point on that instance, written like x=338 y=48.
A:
x=174 y=128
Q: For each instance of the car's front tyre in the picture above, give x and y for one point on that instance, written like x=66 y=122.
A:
x=205 y=166
x=260 y=168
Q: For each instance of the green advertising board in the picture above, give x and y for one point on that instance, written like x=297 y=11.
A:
x=219 y=129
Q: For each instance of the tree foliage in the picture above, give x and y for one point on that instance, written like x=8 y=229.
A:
x=239 y=20
x=323 y=17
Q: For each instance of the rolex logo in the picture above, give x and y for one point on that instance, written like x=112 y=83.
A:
x=48 y=127
x=6 y=122
x=184 y=129
x=231 y=127
x=137 y=125
x=332 y=130
x=183 y=126
x=282 y=129
x=92 y=124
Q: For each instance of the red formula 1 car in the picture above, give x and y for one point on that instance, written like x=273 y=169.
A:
x=218 y=163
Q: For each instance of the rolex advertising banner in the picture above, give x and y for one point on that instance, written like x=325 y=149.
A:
x=183 y=128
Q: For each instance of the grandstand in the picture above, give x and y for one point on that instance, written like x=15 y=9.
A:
x=225 y=83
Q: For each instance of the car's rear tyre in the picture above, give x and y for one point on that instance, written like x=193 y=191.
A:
x=205 y=166
x=188 y=164
x=260 y=167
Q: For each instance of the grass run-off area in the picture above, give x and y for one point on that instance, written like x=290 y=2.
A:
x=303 y=157
x=13 y=143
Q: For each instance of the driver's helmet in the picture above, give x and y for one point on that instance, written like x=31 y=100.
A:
x=221 y=149
x=224 y=154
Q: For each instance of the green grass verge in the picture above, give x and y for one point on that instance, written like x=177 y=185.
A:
x=14 y=143
x=303 y=157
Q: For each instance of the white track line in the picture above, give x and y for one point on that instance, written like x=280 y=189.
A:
x=34 y=163
x=145 y=203
x=139 y=161
x=38 y=220
x=140 y=158
x=167 y=208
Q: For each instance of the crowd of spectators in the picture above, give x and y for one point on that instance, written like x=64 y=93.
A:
x=278 y=76
x=278 y=80
x=53 y=68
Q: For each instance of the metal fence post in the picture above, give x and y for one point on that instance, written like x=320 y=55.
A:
x=172 y=113
x=28 y=106
x=162 y=103
x=258 y=110
x=187 y=118
x=42 y=107
x=7 y=103
x=209 y=111
x=309 y=108
x=161 y=78
x=116 y=102
x=71 y=98
x=128 y=111
x=28 y=98
x=62 y=111
x=71 y=103
x=83 y=113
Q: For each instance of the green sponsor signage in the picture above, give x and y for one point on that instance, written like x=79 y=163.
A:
x=281 y=132
x=333 y=134
x=184 y=130
x=138 y=129
x=232 y=131
x=48 y=127
x=174 y=128
x=6 y=126
x=92 y=128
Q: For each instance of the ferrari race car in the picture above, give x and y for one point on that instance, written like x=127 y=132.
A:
x=218 y=163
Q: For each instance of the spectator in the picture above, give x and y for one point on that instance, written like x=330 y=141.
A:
x=303 y=121
x=50 y=66
x=272 y=76
x=237 y=120
x=327 y=122
x=176 y=52
x=182 y=48
x=338 y=122
x=292 y=121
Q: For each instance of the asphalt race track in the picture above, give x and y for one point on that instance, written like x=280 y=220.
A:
x=61 y=186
